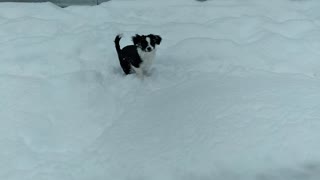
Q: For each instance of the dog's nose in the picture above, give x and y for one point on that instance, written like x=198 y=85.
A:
x=149 y=48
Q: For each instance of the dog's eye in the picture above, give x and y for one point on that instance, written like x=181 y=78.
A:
x=144 y=44
x=153 y=42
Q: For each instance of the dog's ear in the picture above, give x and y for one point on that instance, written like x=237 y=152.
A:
x=136 y=39
x=158 y=39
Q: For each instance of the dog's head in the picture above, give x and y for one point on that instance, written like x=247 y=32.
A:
x=146 y=43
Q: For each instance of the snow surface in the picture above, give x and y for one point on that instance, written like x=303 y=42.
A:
x=234 y=92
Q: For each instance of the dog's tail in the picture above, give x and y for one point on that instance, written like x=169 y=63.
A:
x=117 y=44
x=124 y=64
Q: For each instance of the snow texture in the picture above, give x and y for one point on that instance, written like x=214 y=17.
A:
x=234 y=91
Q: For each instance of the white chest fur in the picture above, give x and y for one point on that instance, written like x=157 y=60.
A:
x=147 y=59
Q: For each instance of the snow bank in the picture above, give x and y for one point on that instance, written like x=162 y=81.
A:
x=233 y=93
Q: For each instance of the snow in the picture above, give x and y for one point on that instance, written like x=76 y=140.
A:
x=233 y=94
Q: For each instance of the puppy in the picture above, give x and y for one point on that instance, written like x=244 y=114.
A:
x=137 y=58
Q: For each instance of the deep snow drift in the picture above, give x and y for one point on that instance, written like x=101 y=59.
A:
x=234 y=92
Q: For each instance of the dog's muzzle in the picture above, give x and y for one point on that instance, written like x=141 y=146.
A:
x=149 y=49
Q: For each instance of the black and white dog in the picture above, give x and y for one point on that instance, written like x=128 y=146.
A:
x=138 y=57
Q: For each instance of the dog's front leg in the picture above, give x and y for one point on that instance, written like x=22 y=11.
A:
x=139 y=72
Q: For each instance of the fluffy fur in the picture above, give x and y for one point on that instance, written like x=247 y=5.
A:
x=137 y=58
